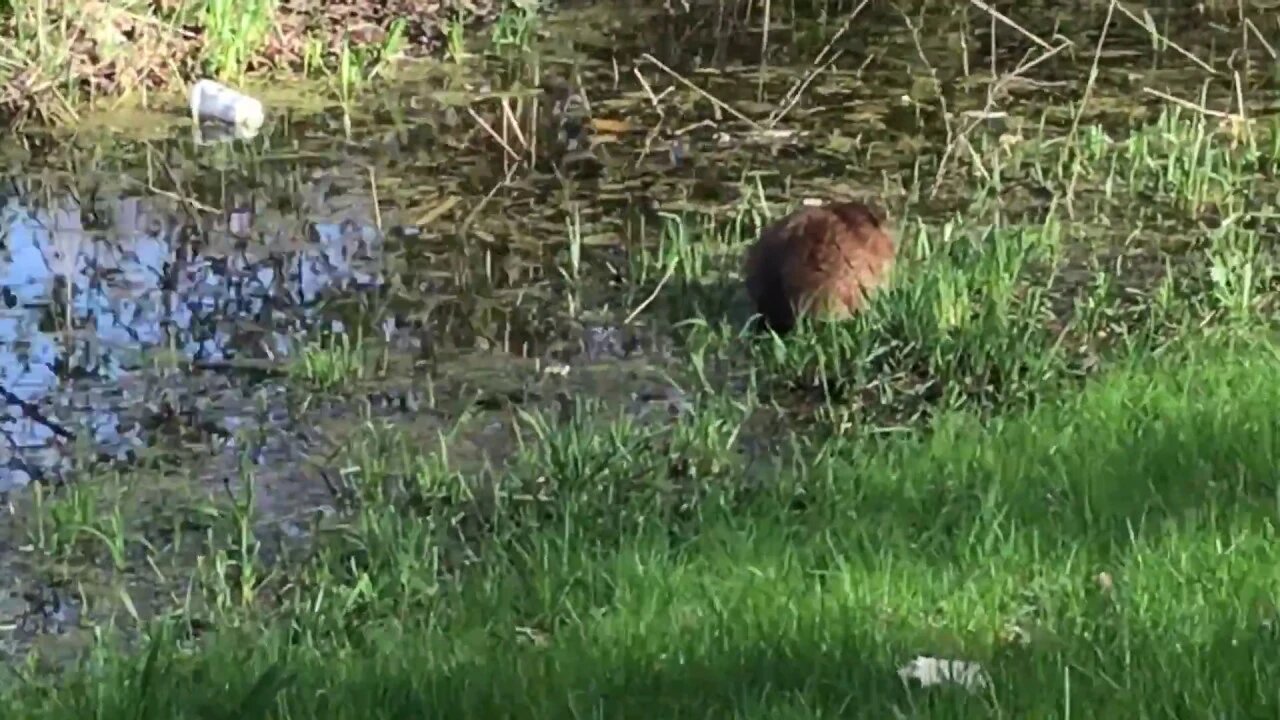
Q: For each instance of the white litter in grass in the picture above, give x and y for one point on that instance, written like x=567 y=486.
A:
x=211 y=100
x=932 y=671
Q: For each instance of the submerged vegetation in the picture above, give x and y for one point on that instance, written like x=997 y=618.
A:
x=443 y=401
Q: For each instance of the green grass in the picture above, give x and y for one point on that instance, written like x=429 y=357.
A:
x=1048 y=447
x=800 y=589
x=1001 y=301
x=333 y=361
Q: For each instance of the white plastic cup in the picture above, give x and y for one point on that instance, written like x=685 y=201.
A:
x=211 y=100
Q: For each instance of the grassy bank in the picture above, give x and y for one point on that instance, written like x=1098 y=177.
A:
x=59 y=58
x=1109 y=553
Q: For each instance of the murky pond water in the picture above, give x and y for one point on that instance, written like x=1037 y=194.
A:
x=477 y=229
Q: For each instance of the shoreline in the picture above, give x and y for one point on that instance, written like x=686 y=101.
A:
x=64 y=62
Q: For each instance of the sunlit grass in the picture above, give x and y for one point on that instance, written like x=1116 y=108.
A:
x=334 y=361
x=1083 y=540
x=1183 y=159
x=1002 y=302
x=235 y=33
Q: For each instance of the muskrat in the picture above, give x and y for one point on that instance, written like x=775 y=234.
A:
x=822 y=261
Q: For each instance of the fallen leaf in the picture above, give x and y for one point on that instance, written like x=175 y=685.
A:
x=605 y=125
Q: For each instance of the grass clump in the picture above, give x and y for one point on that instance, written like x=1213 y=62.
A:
x=335 y=361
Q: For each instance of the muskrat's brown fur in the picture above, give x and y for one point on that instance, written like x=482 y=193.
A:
x=821 y=261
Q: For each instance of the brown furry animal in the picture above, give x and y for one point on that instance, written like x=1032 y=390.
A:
x=822 y=261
